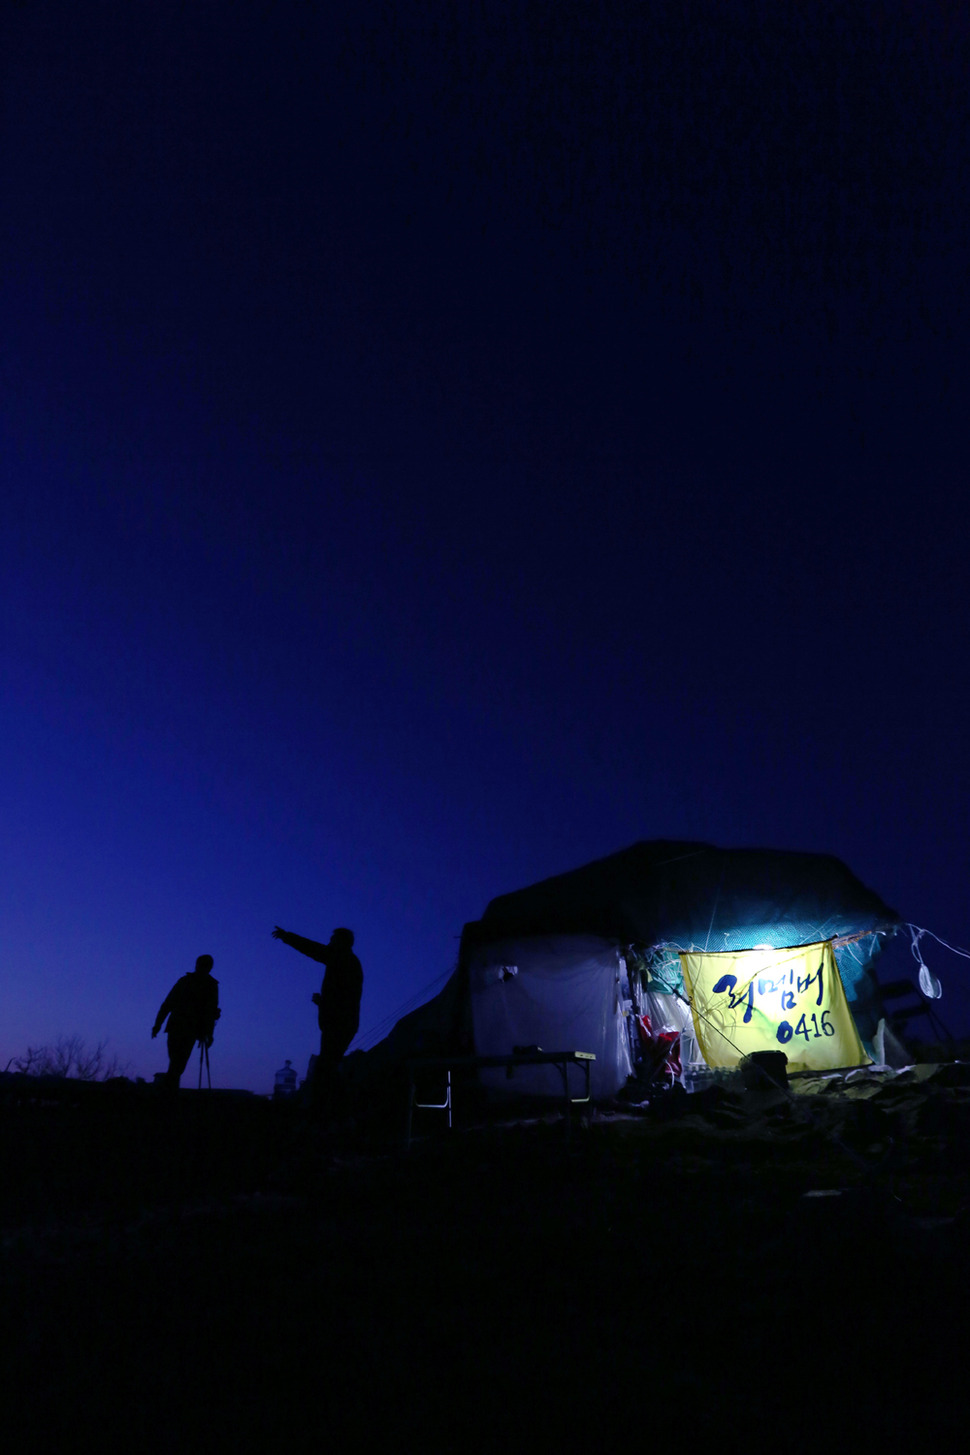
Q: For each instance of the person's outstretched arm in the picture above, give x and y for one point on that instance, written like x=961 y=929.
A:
x=312 y=948
x=163 y=1011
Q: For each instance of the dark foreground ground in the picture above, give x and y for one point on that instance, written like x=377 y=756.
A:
x=221 y=1274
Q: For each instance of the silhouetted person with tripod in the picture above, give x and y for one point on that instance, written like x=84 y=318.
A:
x=192 y=1007
x=338 y=1002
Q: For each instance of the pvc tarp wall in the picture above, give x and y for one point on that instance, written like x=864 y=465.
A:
x=771 y=1000
x=695 y=896
x=671 y=896
x=557 y=992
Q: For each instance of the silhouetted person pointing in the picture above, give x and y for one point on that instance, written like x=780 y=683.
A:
x=338 y=1003
x=192 y=1007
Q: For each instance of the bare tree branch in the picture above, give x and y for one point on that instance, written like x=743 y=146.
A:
x=70 y=1057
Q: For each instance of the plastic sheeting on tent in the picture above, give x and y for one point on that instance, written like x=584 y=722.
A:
x=667 y=896
x=558 y=992
x=541 y=965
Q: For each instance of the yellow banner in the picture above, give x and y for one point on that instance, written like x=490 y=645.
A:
x=772 y=1000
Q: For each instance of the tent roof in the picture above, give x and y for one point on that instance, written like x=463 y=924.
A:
x=683 y=893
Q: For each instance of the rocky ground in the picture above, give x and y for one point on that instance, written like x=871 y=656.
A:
x=740 y=1266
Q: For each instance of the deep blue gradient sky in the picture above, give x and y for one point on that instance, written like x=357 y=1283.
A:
x=436 y=454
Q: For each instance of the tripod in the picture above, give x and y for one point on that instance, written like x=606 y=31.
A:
x=204 y=1056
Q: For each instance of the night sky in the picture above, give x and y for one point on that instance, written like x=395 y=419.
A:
x=443 y=444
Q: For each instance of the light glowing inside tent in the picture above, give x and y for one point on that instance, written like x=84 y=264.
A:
x=772 y=1000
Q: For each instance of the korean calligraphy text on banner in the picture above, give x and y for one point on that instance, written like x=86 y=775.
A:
x=772 y=1000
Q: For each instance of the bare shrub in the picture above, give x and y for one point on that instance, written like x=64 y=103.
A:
x=72 y=1057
